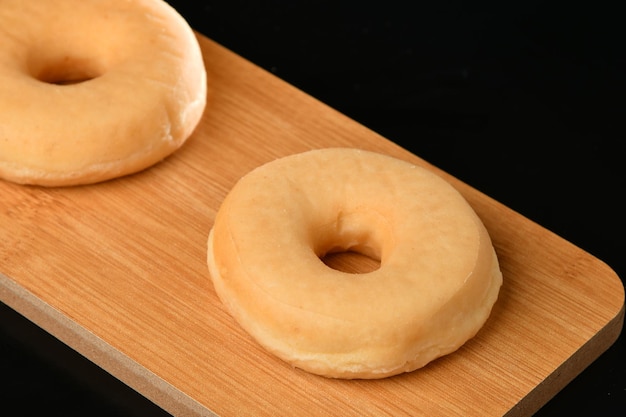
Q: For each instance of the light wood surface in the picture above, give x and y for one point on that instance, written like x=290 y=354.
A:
x=118 y=272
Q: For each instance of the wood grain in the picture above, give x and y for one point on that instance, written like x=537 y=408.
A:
x=117 y=271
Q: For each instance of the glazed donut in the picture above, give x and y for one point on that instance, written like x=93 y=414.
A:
x=434 y=289
x=94 y=89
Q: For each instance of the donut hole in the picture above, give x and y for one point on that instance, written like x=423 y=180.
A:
x=352 y=242
x=67 y=70
x=353 y=261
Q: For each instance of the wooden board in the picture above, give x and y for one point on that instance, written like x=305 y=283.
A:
x=117 y=271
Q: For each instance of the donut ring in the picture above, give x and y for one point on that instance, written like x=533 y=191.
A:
x=437 y=281
x=94 y=89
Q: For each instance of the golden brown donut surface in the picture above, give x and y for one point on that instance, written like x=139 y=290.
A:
x=94 y=89
x=437 y=281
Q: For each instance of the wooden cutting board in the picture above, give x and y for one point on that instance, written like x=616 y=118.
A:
x=117 y=271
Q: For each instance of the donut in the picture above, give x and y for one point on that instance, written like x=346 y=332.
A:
x=434 y=288
x=91 y=90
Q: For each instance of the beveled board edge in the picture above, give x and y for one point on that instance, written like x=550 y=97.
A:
x=571 y=368
x=98 y=351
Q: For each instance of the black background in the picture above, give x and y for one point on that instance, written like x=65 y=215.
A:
x=522 y=100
